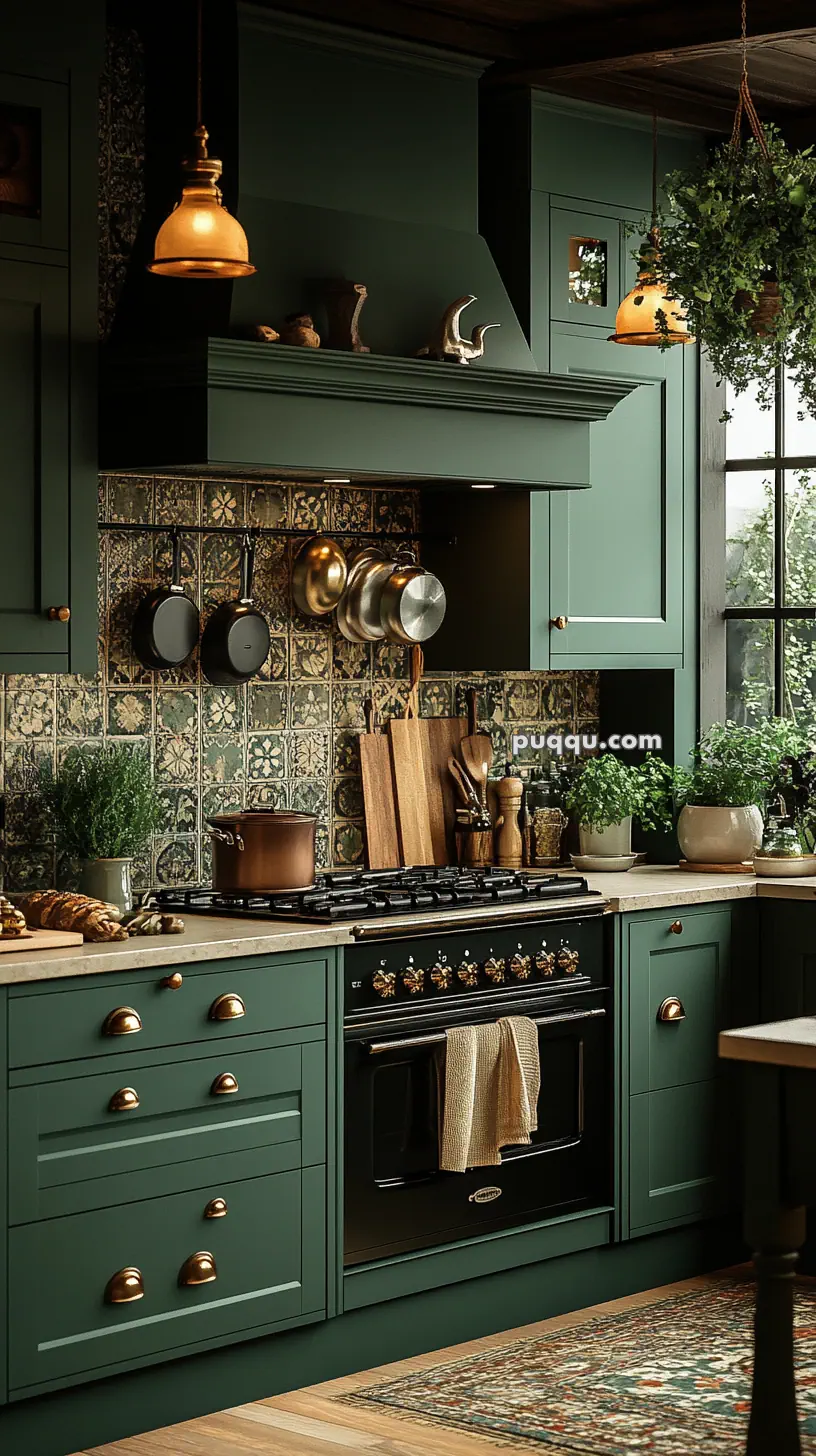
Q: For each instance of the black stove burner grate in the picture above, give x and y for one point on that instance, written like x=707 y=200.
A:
x=340 y=895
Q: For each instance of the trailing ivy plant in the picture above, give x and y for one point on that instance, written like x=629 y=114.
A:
x=744 y=216
x=103 y=803
x=608 y=790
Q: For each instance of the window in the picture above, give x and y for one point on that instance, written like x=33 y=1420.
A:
x=587 y=271
x=770 y=602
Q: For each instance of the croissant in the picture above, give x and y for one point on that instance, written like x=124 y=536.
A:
x=64 y=910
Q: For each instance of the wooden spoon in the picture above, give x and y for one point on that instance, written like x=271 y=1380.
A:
x=477 y=750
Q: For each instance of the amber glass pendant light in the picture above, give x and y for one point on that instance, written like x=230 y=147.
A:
x=200 y=238
x=636 y=321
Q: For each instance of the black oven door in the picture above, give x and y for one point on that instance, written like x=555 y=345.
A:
x=396 y=1199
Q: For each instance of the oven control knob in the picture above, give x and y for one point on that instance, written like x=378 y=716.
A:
x=413 y=979
x=385 y=983
x=494 y=969
x=568 y=960
x=468 y=973
x=521 y=967
x=545 y=962
x=442 y=977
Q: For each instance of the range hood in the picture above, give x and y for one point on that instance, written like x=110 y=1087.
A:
x=350 y=157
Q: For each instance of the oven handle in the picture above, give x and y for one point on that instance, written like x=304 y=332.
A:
x=375 y=1047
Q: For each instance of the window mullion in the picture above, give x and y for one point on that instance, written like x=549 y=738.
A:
x=779 y=547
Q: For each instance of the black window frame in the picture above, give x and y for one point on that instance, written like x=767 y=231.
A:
x=779 y=613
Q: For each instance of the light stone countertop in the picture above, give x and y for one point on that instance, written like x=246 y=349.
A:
x=647 y=887
x=778 y=1043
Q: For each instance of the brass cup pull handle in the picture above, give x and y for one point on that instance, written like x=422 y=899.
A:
x=125 y=1287
x=227 y=1007
x=124 y=1021
x=172 y=983
x=672 y=1009
x=559 y=623
x=216 y=1208
x=198 y=1269
x=223 y=1084
x=59 y=614
x=676 y=927
x=125 y=1100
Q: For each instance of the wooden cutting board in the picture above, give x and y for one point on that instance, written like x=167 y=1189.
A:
x=442 y=737
x=382 y=837
x=41 y=940
x=411 y=784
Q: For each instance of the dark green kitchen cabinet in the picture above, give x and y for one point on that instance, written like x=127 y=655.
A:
x=681 y=973
x=48 y=313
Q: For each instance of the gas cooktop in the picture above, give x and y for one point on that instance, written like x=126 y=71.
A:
x=449 y=895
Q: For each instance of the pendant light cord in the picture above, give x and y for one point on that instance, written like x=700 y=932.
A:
x=199 y=54
x=654 y=168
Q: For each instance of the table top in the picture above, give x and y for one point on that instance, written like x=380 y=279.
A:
x=778 y=1043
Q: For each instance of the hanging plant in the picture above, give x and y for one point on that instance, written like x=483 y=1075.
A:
x=738 y=252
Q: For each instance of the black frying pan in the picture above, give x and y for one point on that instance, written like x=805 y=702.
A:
x=166 y=623
x=236 y=638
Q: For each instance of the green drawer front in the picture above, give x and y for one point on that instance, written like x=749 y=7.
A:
x=70 y=1151
x=62 y=1026
x=691 y=966
x=269 y=1253
x=675 y=1160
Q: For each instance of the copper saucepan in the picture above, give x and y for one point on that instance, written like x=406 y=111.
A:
x=263 y=850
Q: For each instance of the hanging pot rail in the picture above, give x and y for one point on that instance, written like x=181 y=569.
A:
x=173 y=528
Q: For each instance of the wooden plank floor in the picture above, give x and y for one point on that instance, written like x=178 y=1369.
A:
x=311 y=1422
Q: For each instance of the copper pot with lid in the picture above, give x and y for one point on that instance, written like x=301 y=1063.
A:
x=263 y=850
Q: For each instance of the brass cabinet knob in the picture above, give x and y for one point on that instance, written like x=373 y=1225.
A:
x=223 y=1084
x=198 y=1269
x=468 y=973
x=672 y=1009
x=442 y=977
x=124 y=1021
x=545 y=962
x=568 y=960
x=494 y=969
x=227 y=1007
x=59 y=614
x=124 y=1287
x=559 y=623
x=676 y=927
x=172 y=983
x=521 y=967
x=216 y=1208
x=413 y=980
x=385 y=983
x=125 y=1100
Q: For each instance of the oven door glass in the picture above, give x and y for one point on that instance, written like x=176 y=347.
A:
x=397 y=1199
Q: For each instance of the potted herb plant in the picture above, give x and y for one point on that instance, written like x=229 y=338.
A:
x=608 y=793
x=738 y=251
x=104 y=807
x=734 y=770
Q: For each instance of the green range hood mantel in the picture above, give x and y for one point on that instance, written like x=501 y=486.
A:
x=226 y=405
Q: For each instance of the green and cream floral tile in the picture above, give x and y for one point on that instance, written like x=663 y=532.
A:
x=23 y=763
x=310 y=796
x=222 y=758
x=177 y=862
x=222 y=709
x=345 y=752
x=348 y=798
x=435 y=699
x=310 y=508
x=587 y=694
x=558 y=698
x=30 y=711
x=309 y=705
x=267 y=504
x=309 y=754
x=31 y=868
x=266 y=756
x=220 y=561
x=390 y=700
x=222 y=503
x=272 y=794
x=26 y=821
x=79 y=711
x=267 y=706
x=394 y=510
x=523 y=696
x=351 y=509
x=310 y=657
x=223 y=798
x=349 y=843
x=490 y=705
x=347 y=704
x=130 y=498
x=180 y=808
x=276 y=667
x=130 y=712
x=177 y=502
x=350 y=660
x=390 y=660
x=177 y=711
x=176 y=759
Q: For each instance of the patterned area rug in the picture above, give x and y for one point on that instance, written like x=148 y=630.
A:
x=671 y=1378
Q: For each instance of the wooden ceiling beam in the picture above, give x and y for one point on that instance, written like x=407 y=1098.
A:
x=400 y=18
x=602 y=46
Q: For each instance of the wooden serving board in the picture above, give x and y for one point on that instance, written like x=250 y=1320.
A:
x=41 y=940
x=406 y=738
x=441 y=738
x=382 y=838
x=744 y=868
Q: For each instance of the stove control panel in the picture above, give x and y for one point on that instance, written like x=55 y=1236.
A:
x=509 y=960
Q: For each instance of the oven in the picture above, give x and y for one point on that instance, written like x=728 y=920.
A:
x=400 y=999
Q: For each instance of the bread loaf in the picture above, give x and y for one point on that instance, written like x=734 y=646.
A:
x=65 y=910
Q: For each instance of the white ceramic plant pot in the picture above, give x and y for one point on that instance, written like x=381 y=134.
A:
x=710 y=835
x=616 y=839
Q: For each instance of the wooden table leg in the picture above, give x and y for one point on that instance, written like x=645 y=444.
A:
x=776 y=1235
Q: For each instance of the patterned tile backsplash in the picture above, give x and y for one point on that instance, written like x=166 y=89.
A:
x=287 y=739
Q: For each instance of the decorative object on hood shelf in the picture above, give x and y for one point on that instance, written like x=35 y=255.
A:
x=200 y=239
x=448 y=343
x=259 y=333
x=343 y=302
x=299 y=329
x=319 y=575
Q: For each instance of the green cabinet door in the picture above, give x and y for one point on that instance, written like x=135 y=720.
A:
x=678 y=982
x=34 y=462
x=34 y=202
x=616 y=550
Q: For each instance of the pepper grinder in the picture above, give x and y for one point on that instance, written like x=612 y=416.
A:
x=509 y=847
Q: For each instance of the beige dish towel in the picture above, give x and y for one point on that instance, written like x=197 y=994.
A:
x=490 y=1094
